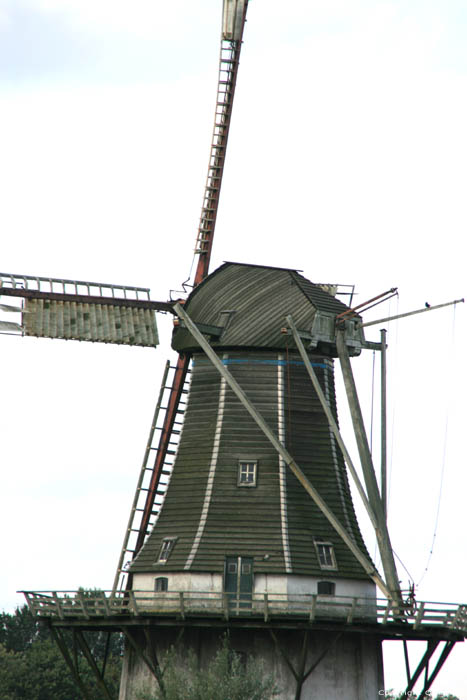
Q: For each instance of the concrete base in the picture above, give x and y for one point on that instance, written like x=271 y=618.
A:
x=351 y=667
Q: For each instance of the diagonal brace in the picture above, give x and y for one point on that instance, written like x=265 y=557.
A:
x=286 y=456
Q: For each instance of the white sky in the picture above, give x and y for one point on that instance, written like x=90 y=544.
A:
x=347 y=160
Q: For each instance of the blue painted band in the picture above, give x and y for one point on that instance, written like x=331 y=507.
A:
x=282 y=363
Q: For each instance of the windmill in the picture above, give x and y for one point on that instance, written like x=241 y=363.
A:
x=328 y=328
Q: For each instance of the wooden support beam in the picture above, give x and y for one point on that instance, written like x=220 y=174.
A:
x=383 y=481
x=286 y=456
x=331 y=420
x=318 y=660
x=266 y=608
x=448 y=647
x=430 y=650
x=284 y=655
x=69 y=662
x=90 y=659
x=182 y=605
x=154 y=660
x=141 y=653
x=58 y=604
x=301 y=671
x=382 y=534
x=406 y=658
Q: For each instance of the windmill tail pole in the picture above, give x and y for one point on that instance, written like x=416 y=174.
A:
x=413 y=313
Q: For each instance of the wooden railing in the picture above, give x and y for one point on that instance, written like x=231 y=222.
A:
x=91 y=605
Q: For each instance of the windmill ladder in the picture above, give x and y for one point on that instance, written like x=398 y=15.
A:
x=149 y=480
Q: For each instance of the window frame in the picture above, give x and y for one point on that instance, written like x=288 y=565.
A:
x=330 y=584
x=164 y=583
x=328 y=551
x=240 y=473
x=166 y=549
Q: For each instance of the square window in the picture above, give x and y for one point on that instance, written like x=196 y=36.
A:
x=326 y=588
x=161 y=584
x=325 y=552
x=247 y=472
x=166 y=549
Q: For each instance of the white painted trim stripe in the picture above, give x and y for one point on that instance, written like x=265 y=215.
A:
x=212 y=472
x=282 y=465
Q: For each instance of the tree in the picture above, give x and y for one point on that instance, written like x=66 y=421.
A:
x=226 y=678
x=32 y=667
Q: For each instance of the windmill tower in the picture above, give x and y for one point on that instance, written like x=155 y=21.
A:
x=242 y=520
x=236 y=525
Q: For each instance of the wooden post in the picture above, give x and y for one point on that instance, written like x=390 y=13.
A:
x=286 y=456
x=382 y=534
x=383 y=485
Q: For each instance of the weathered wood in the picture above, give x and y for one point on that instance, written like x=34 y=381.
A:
x=90 y=659
x=68 y=660
x=382 y=534
x=290 y=462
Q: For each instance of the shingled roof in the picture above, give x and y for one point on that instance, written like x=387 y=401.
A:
x=251 y=303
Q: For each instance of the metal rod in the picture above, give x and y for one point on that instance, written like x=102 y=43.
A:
x=412 y=313
x=286 y=456
x=383 y=485
x=364 y=303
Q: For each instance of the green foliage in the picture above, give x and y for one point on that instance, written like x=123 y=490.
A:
x=32 y=667
x=20 y=630
x=226 y=678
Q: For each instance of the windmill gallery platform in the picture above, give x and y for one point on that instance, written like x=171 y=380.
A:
x=255 y=533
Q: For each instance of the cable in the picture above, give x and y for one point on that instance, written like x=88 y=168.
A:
x=443 y=467
x=404 y=566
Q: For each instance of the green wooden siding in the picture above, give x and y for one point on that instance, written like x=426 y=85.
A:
x=247 y=521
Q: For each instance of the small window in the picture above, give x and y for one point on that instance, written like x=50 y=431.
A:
x=326 y=588
x=231 y=568
x=166 y=549
x=247 y=472
x=325 y=552
x=161 y=584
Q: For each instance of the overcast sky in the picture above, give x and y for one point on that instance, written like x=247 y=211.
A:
x=347 y=160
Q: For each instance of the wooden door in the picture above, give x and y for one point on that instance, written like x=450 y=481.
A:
x=238 y=581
